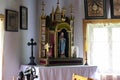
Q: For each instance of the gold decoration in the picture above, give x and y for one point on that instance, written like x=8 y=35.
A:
x=63 y=14
x=43 y=5
x=71 y=11
x=47 y=47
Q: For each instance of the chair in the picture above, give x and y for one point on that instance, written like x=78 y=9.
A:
x=78 y=77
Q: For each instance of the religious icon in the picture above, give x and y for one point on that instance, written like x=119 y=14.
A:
x=62 y=44
x=32 y=43
x=115 y=8
x=95 y=9
x=74 y=52
x=48 y=48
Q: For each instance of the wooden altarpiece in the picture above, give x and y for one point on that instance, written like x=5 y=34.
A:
x=56 y=39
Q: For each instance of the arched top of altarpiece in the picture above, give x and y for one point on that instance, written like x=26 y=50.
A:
x=61 y=26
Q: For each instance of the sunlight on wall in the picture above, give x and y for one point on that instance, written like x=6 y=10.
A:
x=1 y=44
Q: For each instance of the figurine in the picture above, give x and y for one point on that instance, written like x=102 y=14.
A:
x=74 y=53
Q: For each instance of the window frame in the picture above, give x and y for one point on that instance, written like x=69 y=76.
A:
x=93 y=21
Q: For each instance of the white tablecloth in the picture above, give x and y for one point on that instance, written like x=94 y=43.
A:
x=62 y=72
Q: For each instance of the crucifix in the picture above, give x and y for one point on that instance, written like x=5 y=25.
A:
x=32 y=57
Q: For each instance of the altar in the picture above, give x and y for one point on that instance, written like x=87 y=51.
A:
x=62 y=72
x=57 y=38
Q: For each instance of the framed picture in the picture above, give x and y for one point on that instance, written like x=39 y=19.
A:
x=115 y=8
x=23 y=18
x=11 y=20
x=95 y=9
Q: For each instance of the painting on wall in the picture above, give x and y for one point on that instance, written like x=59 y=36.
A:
x=23 y=18
x=95 y=9
x=11 y=20
x=115 y=8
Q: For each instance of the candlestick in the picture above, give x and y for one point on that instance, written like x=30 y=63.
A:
x=86 y=63
x=86 y=46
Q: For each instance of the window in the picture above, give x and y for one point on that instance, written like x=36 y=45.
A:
x=1 y=44
x=103 y=42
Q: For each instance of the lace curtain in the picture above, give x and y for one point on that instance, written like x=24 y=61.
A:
x=104 y=47
x=1 y=45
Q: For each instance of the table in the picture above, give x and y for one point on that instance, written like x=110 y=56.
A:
x=62 y=72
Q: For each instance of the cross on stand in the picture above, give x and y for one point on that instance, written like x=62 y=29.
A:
x=32 y=57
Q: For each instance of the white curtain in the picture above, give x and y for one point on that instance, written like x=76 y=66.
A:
x=104 y=47
x=1 y=46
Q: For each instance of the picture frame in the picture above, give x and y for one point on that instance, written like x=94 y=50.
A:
x=23 y=17
x=95 y=9
x=11 y=20
x=115 y=11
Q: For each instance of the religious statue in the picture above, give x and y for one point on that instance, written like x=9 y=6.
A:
x=48 y=50
x=74 y=52
x=62 y=45
x=47 y=47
